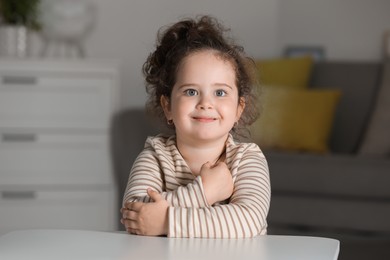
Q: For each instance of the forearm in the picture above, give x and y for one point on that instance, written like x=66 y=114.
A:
x=191 y=195
x=244 y=216
x=222 y=221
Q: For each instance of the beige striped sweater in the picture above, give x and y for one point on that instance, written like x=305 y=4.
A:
x=161 y=167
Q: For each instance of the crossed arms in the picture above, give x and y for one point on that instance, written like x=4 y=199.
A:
x=159 y=200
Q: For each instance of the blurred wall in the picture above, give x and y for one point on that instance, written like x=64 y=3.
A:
x=348 y=29
x=127 y=29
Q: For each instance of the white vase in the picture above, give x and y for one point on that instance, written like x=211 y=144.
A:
x=65 y=25
x=14 y=41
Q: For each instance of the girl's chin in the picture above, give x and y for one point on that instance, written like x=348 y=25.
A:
x=208 y=136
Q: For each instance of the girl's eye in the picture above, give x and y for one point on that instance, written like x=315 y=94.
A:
x=191 y=92
x=220 y=93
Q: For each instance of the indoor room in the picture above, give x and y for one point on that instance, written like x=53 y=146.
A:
x=73 y=121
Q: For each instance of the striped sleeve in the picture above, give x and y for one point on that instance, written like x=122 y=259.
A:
x=150 y=172
x=244 y=216
x=144 y=174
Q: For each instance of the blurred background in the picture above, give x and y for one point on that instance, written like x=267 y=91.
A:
x=72 y=121
x=126 y=30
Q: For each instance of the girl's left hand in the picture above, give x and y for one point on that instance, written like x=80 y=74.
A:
x=147 y=219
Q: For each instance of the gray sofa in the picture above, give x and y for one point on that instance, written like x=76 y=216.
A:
x=342 y=194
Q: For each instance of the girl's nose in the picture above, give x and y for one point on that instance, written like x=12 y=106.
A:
x=204 y=102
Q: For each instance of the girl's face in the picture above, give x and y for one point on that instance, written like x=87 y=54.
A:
x=204 y=103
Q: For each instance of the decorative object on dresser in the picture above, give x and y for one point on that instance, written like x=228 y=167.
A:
x=17 y=19
x=65 y=25
x=55 y=166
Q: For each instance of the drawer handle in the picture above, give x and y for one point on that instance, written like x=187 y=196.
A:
x=21 y=80
x=19 y=137
x=19 y=195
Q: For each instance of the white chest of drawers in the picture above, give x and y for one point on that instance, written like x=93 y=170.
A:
x=55 y=167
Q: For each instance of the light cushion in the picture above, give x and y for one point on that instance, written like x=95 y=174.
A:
x=298 y=120
x=294 y=72
x=376 y=141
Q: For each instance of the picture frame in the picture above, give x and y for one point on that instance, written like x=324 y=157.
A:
x=317 y=52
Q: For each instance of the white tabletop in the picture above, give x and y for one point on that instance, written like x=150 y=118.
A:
x=79 y=244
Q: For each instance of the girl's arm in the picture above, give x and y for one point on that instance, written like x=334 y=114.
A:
x=147 y=173
x=145 y=205
x=244 y=216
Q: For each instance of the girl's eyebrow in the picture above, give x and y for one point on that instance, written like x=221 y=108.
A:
x=187 y=85
x=196 y=85
x=223 y=85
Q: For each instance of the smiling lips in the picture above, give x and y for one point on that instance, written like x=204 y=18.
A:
x=204 y=119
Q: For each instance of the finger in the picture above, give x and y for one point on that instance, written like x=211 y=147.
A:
x=220 y=164
x=129 y=214
x=124 y=212
x=134 y=206
x=128 y=205
x=154 y=195
x=131 y=224
x=127 y=223
x=133 y=231
x=205 y=166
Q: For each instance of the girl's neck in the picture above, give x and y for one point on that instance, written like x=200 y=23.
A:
x=197 y=155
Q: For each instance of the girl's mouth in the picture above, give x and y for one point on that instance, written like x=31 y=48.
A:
x=205 y=119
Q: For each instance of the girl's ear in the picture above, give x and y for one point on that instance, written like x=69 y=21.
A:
x=166 y=106
x=240 y=108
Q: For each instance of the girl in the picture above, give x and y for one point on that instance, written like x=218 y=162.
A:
x=198 y=182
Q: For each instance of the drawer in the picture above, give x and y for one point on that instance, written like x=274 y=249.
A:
x=55 y=101
x=46 y=159
x=77 y=209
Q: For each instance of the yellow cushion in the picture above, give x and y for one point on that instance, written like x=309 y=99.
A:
x=299 y=120
x=294 y=72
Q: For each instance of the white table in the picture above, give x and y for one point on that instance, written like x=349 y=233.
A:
x=79 y=244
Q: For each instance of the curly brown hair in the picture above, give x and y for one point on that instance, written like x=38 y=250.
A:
x=189 y=36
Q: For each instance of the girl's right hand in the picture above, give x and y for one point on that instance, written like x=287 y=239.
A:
x=217 y=182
